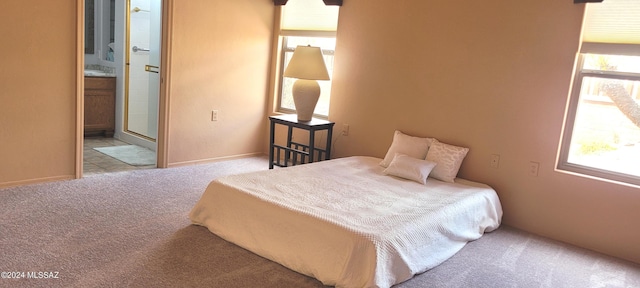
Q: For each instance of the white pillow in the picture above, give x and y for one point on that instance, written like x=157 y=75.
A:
x=407 y=167
x=449 y=159
x=415 y=147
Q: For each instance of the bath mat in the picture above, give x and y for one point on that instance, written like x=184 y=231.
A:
x=130 y=154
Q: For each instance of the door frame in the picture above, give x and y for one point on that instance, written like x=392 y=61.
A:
x=165 y=84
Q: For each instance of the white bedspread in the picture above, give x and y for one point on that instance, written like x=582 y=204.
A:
x=346 y=223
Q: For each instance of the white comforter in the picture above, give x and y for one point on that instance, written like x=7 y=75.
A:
x=346 y=223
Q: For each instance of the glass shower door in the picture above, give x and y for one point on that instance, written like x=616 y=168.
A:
x=142 y=70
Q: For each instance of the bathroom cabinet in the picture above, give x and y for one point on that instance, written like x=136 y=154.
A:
x=99 y=105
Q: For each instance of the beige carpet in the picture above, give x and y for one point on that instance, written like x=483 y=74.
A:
x=131 y=229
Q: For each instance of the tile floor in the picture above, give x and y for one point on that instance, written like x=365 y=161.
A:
x=97 y=163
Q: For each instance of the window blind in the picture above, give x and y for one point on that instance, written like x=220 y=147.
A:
x=309 y=15
x=612 y=22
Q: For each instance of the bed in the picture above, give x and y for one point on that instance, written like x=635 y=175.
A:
x=345 y=222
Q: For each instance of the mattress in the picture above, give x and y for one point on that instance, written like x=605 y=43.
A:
x=344 y=222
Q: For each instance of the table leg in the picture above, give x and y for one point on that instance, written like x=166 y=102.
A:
x=271 y=139
x=327 y=156
x=287 y=155
x=312 y=142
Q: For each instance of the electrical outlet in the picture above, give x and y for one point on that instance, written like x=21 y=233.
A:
x=214 y=115
x=345 y=129
x=533 y=168
x=495 y=160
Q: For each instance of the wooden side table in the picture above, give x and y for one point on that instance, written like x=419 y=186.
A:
x=296 y=153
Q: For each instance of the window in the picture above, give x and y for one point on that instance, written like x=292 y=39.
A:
x=602 y=129
x=306 y=22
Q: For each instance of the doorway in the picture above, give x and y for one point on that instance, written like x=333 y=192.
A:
x=138 y=74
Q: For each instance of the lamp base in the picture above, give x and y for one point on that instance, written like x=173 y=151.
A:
x=305 y=97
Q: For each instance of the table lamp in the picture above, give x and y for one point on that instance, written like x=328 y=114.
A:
x=307 y=65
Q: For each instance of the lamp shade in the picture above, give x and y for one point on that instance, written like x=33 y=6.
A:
x=307 y=63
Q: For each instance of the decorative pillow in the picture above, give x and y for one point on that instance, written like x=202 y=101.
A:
x=449 y=159
x=415 y=147
x=407 y=167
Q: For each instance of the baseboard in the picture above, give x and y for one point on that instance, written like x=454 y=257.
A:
x=216 y=159
x=36 y=181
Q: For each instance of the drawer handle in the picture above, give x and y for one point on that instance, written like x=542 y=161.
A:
x=150 y=68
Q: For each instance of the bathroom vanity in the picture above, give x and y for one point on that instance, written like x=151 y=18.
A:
x=99 y=105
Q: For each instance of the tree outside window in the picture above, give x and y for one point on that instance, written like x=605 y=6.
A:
x=605 y=132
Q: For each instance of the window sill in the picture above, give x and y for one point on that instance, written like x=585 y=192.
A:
x=598 y=175
x=282 y=112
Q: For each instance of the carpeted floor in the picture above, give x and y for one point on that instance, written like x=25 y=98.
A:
x=131 y=229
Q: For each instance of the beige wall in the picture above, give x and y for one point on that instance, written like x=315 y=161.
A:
x=489 y=75
x=220 y=60
x=37 y=91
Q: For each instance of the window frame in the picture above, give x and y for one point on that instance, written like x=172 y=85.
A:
x=570 y=119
